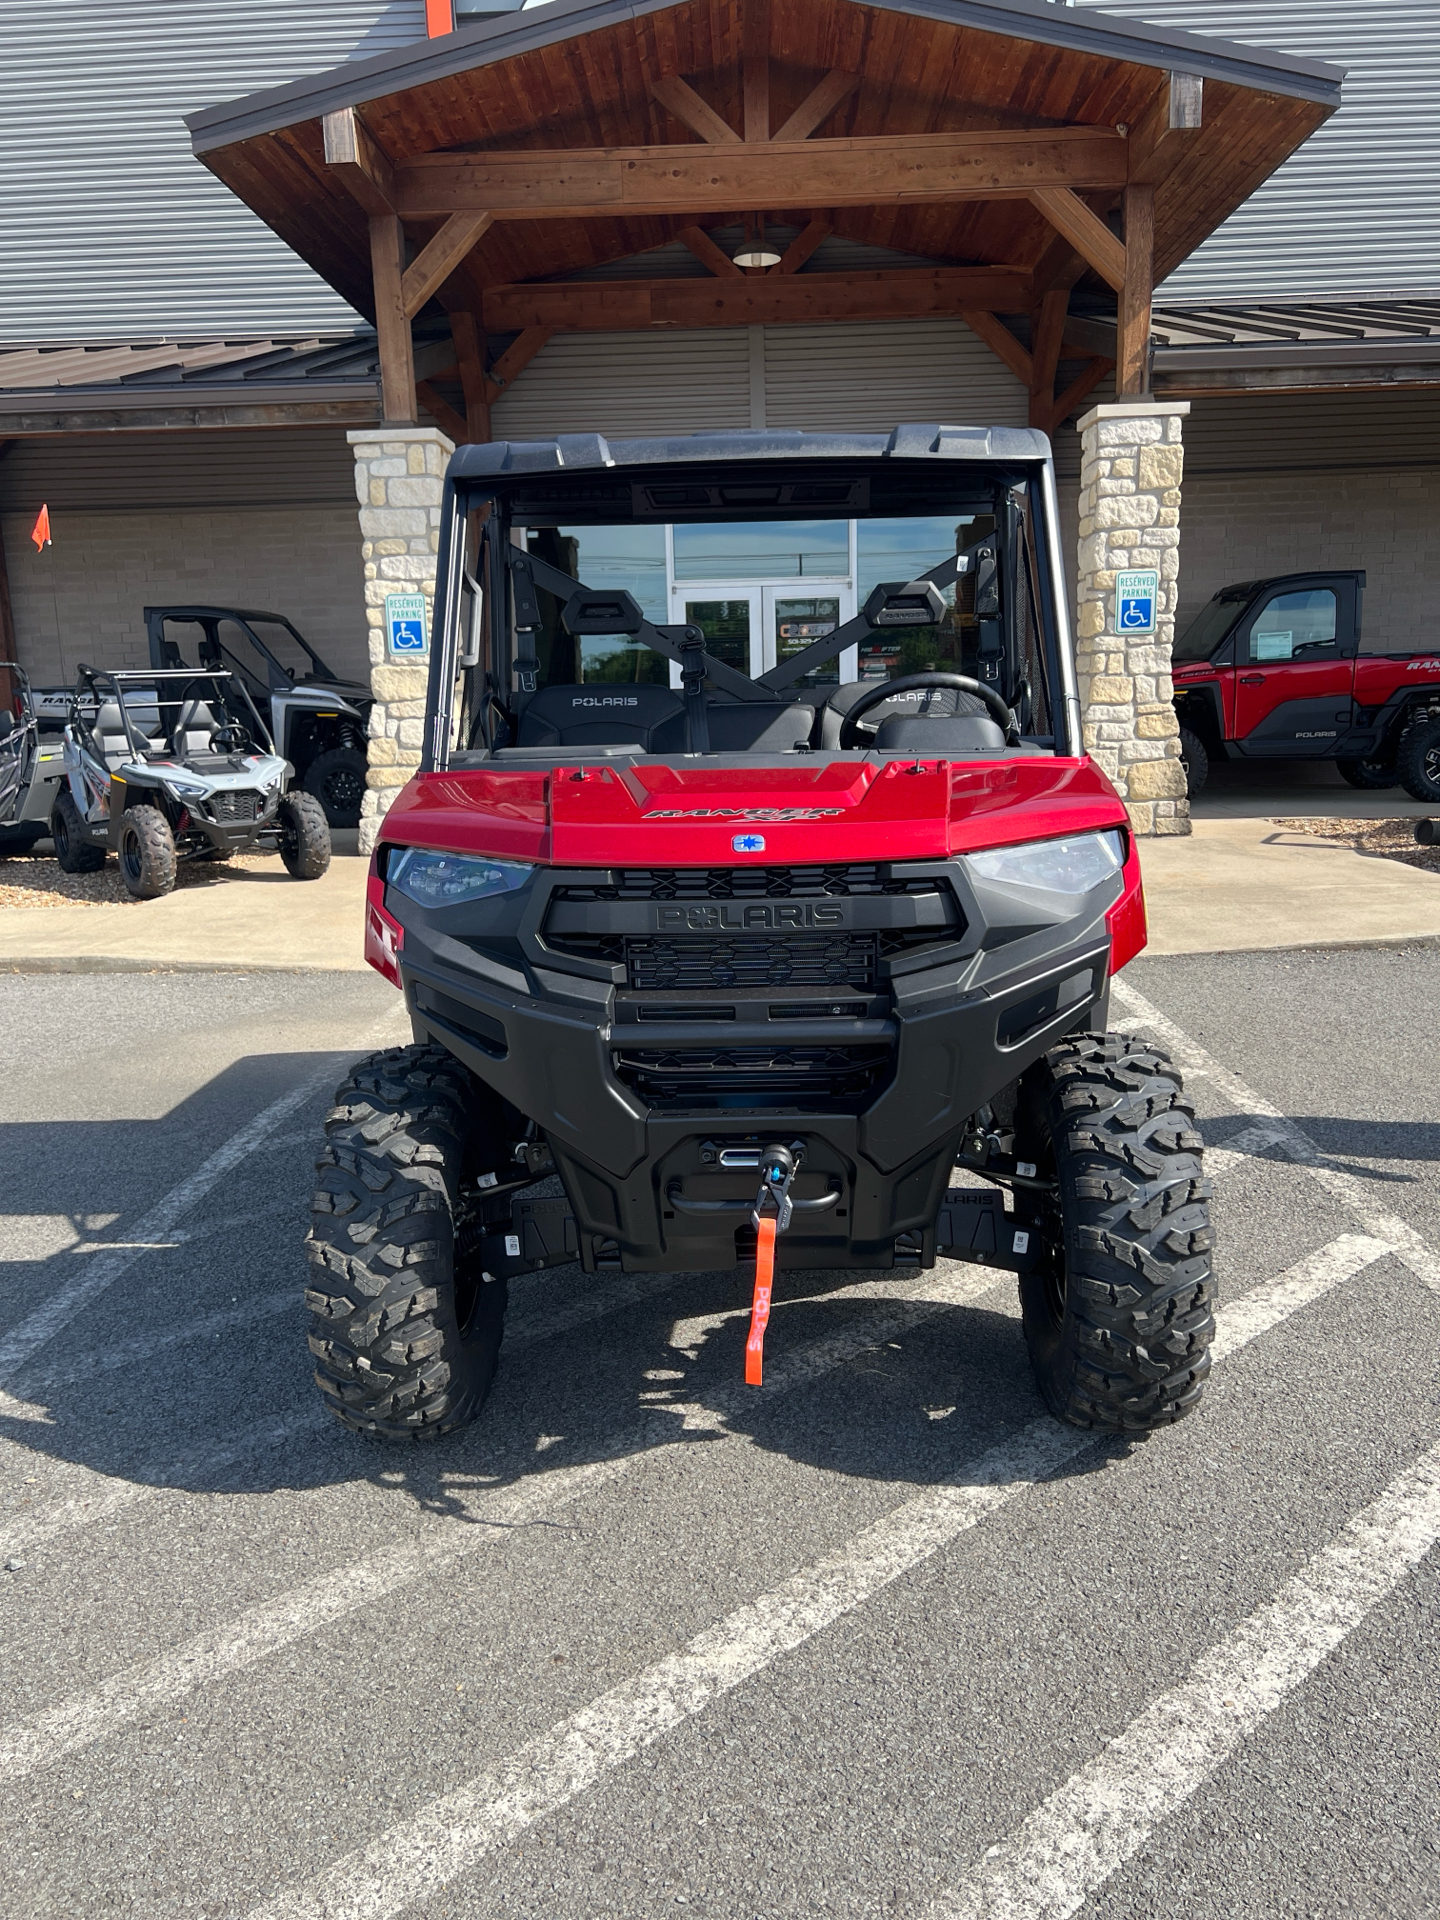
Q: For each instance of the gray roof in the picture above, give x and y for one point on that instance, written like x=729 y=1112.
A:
x=568 y=452
x=1134 y=41
x=1307 y=333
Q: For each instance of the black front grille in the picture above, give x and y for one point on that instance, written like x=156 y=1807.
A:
x=749 y=883
x=752 y=1077
x=667 y=963
x=228 y=804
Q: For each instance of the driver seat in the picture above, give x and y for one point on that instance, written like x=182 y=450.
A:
x=919 y=705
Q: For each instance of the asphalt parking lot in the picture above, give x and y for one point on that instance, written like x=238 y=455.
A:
x=876 y=1639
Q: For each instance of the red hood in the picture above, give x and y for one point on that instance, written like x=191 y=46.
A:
x=804 y=815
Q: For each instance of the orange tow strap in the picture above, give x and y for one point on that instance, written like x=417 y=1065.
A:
x=760 y=1306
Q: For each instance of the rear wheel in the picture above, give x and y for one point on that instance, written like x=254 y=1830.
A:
x=1418 y=758
x=304 y=836
x=74 y=849
x=405 y=1329
x=1369 y=775
x=1119 y=1313
x=147 y=853
x=1195 y=760
x=337 y=780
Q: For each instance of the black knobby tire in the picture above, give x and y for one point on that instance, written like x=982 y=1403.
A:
x=74 y=850
x=404 y=1329
x=337 y=780
x=1417 y=760
x=1195 y=760
x=1371 y=776
x=147 y=853
x=1119 y=1315
x=304 y=836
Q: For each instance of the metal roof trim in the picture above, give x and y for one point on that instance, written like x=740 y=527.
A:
x=1135 y=42
x=192 y=392
x=1380 y=351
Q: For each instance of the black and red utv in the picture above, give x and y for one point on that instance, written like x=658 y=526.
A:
x=756 y=883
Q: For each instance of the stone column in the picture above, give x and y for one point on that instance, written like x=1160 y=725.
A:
x=399 y=476
x=1132 y=461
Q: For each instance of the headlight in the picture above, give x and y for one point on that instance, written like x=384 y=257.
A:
x=452 y=879
x=186 y=789
x=1072 y=865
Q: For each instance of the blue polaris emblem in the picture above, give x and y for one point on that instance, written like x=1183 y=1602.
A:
x=749 y=843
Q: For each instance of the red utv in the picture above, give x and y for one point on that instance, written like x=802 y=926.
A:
x=776 y=920
x=1274 y=670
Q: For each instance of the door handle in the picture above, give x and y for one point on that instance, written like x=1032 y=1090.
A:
x=1252 y=679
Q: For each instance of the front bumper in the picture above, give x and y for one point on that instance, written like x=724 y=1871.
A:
x=641 y=1075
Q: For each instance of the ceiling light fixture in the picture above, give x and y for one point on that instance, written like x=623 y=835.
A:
x=755 y=253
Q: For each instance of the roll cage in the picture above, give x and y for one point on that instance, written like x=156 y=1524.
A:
x=493 y=588
x=173 y=692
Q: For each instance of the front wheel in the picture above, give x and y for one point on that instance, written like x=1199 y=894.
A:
x=1119 y=1312
x=74 y=849
x=147 y=853
x=1418 y=759
x=1195 y=760
x=405 y=1328
x=1371 y=776
x=304 y=836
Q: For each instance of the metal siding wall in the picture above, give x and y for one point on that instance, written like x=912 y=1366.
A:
x=869 y=376
x=874 y=375
x=622 y=383
x=1357 y=209
x=112 y=228
x=123 y=473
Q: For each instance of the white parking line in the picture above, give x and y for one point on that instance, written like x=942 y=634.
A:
x=452 y=1833
x=102 y=1273
x=1341 y=1185
x=44 y=1737
x=1105 y=1813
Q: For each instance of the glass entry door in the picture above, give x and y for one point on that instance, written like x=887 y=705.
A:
x=754 y=628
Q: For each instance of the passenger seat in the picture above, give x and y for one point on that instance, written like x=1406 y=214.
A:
x=651 y=719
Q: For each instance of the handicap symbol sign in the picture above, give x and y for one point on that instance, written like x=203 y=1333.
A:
x=1135 y=596
x=405 y=623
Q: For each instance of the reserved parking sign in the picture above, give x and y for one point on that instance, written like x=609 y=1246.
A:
x=405 y=623
x=1135 y=596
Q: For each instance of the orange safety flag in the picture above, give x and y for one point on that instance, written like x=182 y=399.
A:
x=760 y=1306
x=40 y=532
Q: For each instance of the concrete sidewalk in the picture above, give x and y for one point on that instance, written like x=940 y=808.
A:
x=1244 y=885
x=259 y=918
x=1235 y=885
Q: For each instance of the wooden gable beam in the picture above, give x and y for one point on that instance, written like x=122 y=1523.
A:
x=392 y=323
x=803 y=245
x=1001 y=342
x=441 y=411
x=439 y=258
x=1158 y=141
x=470 y=353
x=591 y=306
x=516 y=357
x=1047 y=332
x=755 y=69
x=1132 y=330
x=818 y=105
x=1079 y=389
x=679 y=98
x=708 y=254
x=736 y=177
x=1085 y=231
x=352 y=152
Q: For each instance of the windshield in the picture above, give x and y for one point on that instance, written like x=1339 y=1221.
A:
x=772 y=607
x=1210 y=625
x=287 y=649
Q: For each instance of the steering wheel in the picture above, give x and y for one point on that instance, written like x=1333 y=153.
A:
x=884 y=690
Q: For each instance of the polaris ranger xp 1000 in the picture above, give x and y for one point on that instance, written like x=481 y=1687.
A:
x=755 y=882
